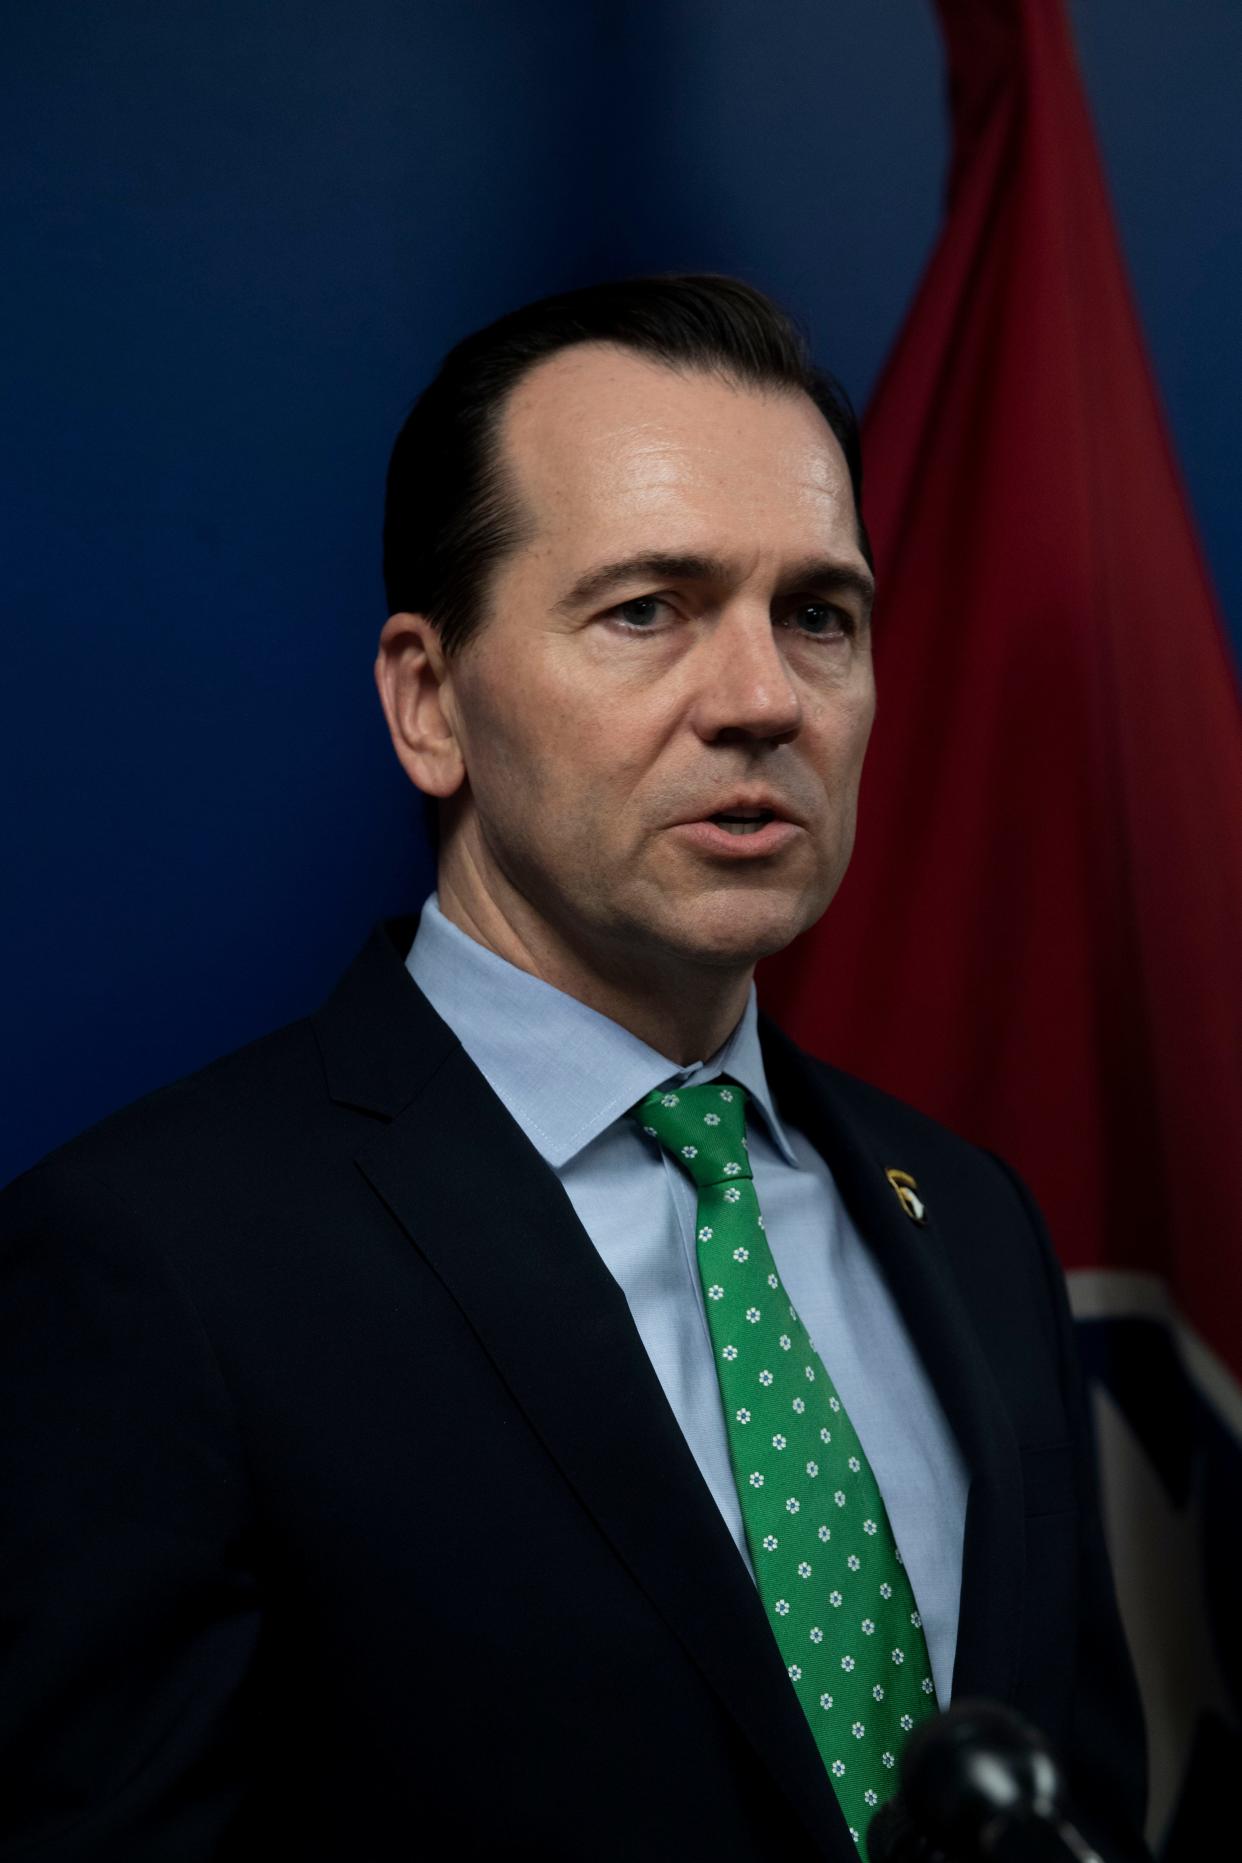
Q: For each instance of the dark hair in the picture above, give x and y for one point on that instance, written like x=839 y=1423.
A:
x=450 y=517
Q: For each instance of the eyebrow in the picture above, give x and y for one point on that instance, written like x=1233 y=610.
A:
x=823 y=574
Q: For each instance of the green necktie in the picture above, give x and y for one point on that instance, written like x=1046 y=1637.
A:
x=828 y=1568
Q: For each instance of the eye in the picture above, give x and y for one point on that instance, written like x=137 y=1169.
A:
x=639 y=614
x=821 y=620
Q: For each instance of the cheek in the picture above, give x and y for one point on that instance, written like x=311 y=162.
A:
x=535 y=770
x=578 y=750
x=842 y=729
x=860 y=735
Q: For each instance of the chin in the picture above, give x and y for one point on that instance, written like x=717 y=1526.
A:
x=738 y=931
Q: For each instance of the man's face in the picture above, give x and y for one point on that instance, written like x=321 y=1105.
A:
x=609 y=716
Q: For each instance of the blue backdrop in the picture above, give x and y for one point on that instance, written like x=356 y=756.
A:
x=237 y=239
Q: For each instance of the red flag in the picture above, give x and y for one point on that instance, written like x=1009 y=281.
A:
x=1040 y=938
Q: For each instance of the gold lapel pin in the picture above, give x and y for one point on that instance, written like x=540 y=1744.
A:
x=905 y=1189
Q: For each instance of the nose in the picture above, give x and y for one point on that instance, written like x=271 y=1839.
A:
x=744 y=686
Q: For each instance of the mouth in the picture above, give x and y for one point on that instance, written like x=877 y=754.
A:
x=743 y=832
x=743 y=821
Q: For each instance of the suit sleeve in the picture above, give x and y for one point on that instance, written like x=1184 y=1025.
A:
x=1105 y=1755
x=127 y=1606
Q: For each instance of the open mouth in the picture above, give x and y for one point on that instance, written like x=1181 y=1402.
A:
x=749 y=821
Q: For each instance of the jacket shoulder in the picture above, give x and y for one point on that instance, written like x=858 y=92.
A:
x=888 y=1125
x=170 y=1145
x=266 y=1069
x=884 y=1113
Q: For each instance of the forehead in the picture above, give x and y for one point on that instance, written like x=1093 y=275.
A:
x=610 y=451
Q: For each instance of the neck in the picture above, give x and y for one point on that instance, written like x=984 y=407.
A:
x=682 y=1010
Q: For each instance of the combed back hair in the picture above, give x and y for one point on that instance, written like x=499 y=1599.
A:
x=450 y=514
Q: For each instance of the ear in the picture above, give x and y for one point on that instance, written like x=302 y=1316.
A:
x=414 y=683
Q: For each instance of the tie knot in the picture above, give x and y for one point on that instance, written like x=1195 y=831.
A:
x=703 y=1128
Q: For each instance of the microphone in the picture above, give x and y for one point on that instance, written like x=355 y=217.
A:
x=978 y=1785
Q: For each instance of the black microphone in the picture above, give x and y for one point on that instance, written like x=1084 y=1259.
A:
x=978 y=1785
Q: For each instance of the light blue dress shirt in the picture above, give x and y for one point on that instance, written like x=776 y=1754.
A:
x=568 y=1076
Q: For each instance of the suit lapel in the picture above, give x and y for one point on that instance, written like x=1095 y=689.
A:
x=494 y=1224
x=913 y=1260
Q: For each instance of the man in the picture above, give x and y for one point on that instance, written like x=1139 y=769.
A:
x=530 y=1409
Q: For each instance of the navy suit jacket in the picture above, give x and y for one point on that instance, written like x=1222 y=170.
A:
x=346 y=1517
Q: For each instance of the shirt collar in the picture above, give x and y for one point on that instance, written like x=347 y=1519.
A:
x=564 y=1071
